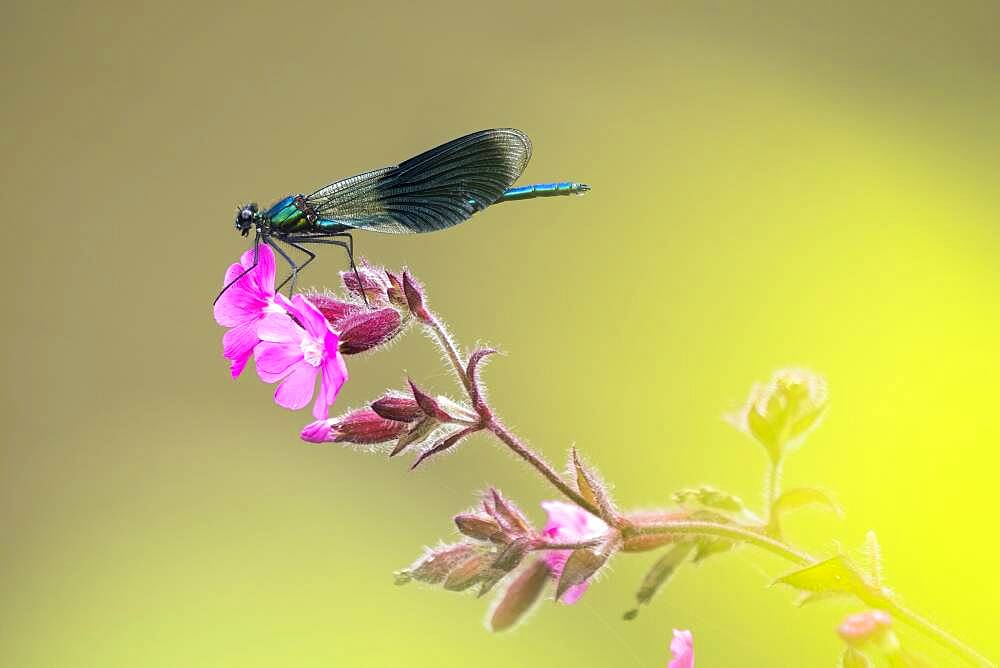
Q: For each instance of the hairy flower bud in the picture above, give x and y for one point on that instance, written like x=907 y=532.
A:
x=370 y=283
x=481 y=527
x=334 y=310
x=781 y=413
x=415 y=297
x=435 y=565
x=397 y=407
x=364 y=330
x=397 y=297
x=519 y=596
x=363 y=426
x=469 y=572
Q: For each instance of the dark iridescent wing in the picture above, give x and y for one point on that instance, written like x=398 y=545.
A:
x=432 y=191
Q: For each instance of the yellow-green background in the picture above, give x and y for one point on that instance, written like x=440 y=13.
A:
x=774 y=183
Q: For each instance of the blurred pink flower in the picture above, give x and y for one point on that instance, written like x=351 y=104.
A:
x=244 y=304
x=862 y=627
x=569 y=523
x=295 y=352
x=682 y=647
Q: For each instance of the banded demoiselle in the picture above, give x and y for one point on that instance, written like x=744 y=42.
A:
x=437 y=189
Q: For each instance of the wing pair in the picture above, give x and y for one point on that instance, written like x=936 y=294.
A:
x=434 y=190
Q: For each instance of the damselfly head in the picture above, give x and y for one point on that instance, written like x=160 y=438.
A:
x=245 y=218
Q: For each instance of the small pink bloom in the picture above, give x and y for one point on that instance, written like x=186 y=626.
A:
x=569 y=523
x=295 y=355
x=682 y=647
x=862 y=627
x=244 y=304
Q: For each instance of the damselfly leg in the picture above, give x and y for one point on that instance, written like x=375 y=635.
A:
x=296 y=241
x=256 y=254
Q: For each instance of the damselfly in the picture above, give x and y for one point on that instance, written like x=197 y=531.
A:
x=434 y=190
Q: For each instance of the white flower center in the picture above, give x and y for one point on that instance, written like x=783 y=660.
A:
x=312 y=351
x=273 y=306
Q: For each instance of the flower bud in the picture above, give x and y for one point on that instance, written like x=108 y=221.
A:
x=397 y=407
x=334 y=310
x=364 y=330
x=428 y=404
x=782 y=412
x=871 y=627
x=436 y=563
x=395 y=292
x=415 y=297
x=519 y=596
x=369 y=282
x=363 y=426
x=480 y=527
x=469 y=572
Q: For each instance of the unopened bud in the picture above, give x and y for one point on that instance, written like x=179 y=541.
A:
x=397 y=407
x=520 y=596
x=334 y=310
x=436 y=563
x=369 y=282
x=395 y=292
x=468 y=573
x=367 y=329
x=414 y=293
x=782 y=412
x=363 y=426
x=480 y=527
x=428 y=404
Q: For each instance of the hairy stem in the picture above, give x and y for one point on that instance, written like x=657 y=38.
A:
x=540 y=465
x=681 y=527
x=785 y=551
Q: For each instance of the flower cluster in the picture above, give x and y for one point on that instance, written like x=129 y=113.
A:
x=498 y=541
x=297 y=341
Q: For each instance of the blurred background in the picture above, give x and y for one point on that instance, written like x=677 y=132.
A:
x=775 y=184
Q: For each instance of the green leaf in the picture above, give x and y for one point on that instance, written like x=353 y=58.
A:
x=765 y=434
x=801 y=497
x=710 y=498
x=835 y=575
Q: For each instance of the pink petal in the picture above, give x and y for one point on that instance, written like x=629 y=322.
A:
x=238 y=344
x=263 y=274
x=682 y=647
x=569 y=522
x=297 y=389
x=236 y=306
x=334 y=376
x=310 y=317
x=573 y=594
x=319 y=431
x=279 y=328
x=275 y=359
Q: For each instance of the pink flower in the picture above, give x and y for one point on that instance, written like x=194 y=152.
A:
x=244 y=304
x=682 y=647
x=295 y=352
x=569 y=523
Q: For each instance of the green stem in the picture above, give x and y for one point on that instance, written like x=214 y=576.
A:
x=778 y=548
